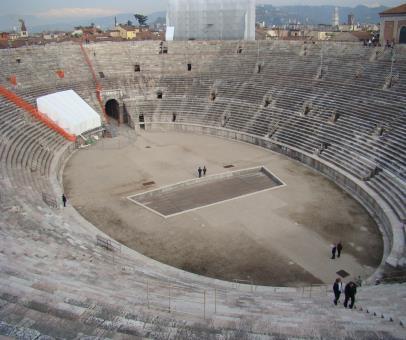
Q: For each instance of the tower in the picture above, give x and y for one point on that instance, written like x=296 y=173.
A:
x=336 y=17
x=23 y=29
x=351 y=19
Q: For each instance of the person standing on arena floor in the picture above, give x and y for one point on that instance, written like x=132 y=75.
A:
x=337 y=288
x=199 y=171
x=339 y=248
x=64 y=199
x=350 y=291
x=204 y=170
x=333 y=251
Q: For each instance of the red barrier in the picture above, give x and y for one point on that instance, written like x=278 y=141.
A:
x=11 y=96
x=13 y=80
x=60 y=73
x=98 y=86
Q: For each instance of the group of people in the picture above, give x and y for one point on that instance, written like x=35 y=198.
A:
x=372 y=42
x=349 y=292
x=350 y=288
x=201 y=171
x=337 y=248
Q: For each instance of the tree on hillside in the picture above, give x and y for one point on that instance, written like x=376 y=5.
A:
x=142 y=19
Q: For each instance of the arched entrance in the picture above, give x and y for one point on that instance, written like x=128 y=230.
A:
x=113 y=109
x=402 y=35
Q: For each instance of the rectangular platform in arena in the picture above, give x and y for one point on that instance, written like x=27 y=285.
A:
x=202 y=192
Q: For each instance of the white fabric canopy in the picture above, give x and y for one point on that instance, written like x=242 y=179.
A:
x=170 y=32
x=69 y=111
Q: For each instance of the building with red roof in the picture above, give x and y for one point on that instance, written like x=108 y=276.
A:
x=393 y=25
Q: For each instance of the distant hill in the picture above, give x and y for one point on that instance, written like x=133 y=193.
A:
x=269 y=14
x=314 y=15
x=155 y=16
x=36 y=24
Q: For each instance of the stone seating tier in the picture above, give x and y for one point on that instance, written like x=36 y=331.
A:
x=55 y=280
x=41 y=298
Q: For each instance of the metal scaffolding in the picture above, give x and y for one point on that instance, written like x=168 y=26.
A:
x=212 y=19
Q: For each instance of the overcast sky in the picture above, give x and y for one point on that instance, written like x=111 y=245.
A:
x=78 y=8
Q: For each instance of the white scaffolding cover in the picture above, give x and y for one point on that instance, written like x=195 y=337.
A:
x=212 y=19
x=69 y=111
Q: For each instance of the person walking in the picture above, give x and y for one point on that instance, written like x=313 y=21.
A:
x=64 y=200
x=204 y=170
x=199 y=171
x=337 y=288
x=333 y=251
x=339 y=248
x=349 y=292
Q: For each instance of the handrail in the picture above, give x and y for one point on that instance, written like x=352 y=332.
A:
x=96 y=81
x=250 y=283
x=392 y=278
x=199 y=302
x=18 y=101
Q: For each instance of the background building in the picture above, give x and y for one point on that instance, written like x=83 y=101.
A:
x=23 y=29
x=336 y=17
x=393 y=25
x=128 y=32
x=212 y=19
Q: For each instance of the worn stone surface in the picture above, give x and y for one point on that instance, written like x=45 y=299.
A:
x=48 y=256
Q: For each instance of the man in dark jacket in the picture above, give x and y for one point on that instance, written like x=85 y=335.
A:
x=333 y=251
x=339 y=248
x=337 y=290
x=64 y=199
x=350 y=291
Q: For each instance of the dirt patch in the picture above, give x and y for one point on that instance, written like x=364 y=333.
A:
x=352 y=226
x=264 y=268
x=276 y=237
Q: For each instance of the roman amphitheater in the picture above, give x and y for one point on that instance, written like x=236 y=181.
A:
x=304 y=145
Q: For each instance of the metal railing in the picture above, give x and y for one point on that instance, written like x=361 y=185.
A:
x=49 y=200
x=182 y=298
x=397 y=277
x=108 y=244
x=315 y=289
x=239 y=284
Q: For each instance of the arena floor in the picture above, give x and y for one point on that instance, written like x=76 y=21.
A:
x=280 y=236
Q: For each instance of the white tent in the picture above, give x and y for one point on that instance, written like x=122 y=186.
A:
x=170 y=32
x=69 y=111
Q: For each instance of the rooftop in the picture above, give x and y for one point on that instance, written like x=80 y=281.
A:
x=395 y=10
x=128 y=28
